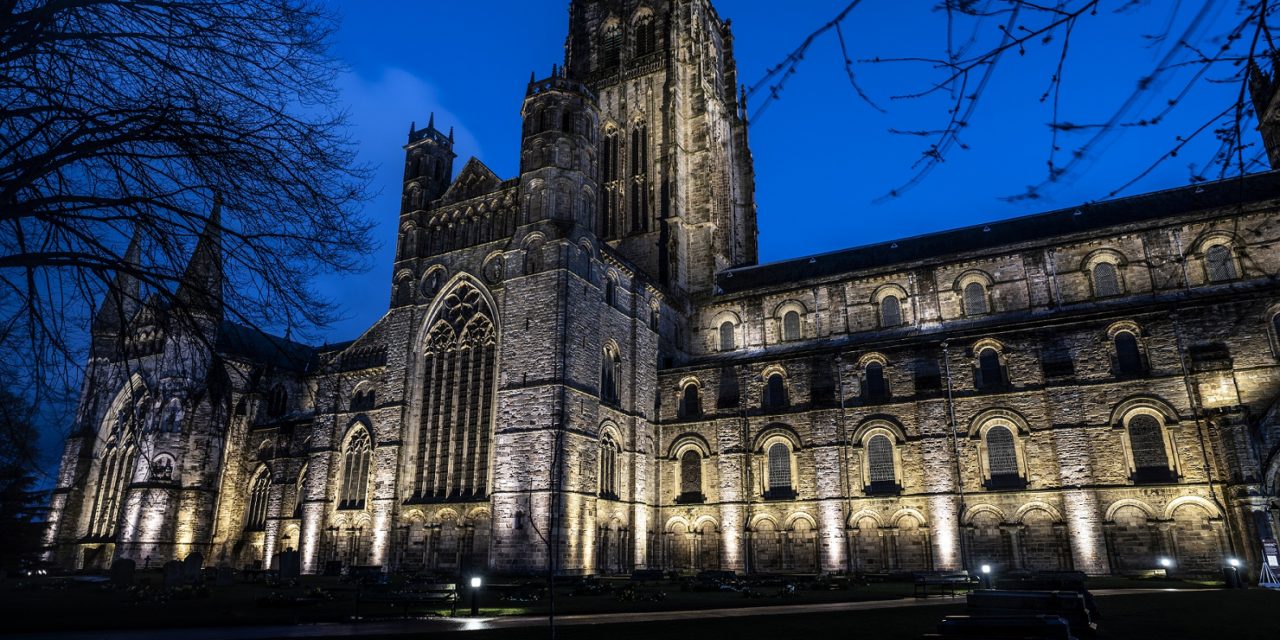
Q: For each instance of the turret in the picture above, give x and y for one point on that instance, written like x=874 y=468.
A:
x=120 y=304
x=428 y=166
x=1264 y=88
x=558 y=173
x=200 y=292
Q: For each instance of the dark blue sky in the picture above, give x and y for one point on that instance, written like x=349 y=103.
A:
x=822 y=156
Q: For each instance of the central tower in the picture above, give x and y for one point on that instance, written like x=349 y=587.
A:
x=677 y=188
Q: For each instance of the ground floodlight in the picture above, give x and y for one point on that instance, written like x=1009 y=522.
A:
x=1166 y=563
x=475 y=582
x=1235 y=562
x=986 y=568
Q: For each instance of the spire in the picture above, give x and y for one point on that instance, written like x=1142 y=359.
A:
x=431 y=124
x=123 y=296
x=201 y=286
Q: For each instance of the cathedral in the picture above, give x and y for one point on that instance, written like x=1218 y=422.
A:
x=583 y=369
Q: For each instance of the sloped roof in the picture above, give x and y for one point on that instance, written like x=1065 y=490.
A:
x=264 y=348
x=1146 y=207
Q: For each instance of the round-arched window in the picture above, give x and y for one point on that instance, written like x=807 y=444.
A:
x=1002 y=457
x=779 y=466
x=880 y=459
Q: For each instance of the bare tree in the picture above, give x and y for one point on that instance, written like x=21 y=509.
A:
x=982 y=33
x=129 y=119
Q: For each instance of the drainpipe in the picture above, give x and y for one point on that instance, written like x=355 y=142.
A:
x=955 y=452
x=1196 y=413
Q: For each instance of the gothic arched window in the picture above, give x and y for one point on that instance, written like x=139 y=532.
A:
x=875 y=389
x=259 y=492
x=890 y=311
x=610 y=372
x=691 y=474
x=278 y=401
x=1002 y=454
x=775 y=392
x=608 y=468
x=300 y=492
x=1146 y=442
x=975 y=299
x=1218 y=263
x=779 y=468
x=880 y=462
x=990 y=370
x=1128 y=356
x=691 y=402
x=459 y=364
x=611 y=46
x=355 y=471
x=116 y=463
x=727 y=342
x=791 y=325
x=646 y=36
x=610 y=292
x=1106 y=281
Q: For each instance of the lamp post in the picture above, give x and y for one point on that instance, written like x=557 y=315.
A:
x=475 y=593
x=986 y=575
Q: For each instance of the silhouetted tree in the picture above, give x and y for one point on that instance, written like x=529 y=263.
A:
x=21 y=506
x=126 y=119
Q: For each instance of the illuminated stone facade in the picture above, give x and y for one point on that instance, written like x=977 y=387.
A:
x=585 y=359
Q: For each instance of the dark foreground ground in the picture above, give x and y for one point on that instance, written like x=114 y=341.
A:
x=58 y=605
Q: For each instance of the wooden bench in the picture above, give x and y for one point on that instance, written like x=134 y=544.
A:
x=424 y=595
x=1068 y=605
x=1035 y=627
x=942 y=583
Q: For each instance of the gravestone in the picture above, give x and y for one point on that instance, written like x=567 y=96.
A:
x=122 y=572
x=172 y=574
x=192 y=567
x=225 y=576
x=290 y=565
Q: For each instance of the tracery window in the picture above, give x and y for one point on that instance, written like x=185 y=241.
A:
x=639 y=182
x=259 y=492
x=457 y=398
x=1218 y=263
x=355 y=471
x=116 y=460
x=611 y=46
x=1106 y=281
x=727 y=342
x=609 y=170
x=300 y=492
x=278 y=401
x=646 y=36
x=890 y=311
x=975 y=299
x=608 y=468
x=791 y=325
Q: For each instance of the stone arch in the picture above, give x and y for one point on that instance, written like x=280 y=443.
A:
x=610 y=429
x=1197 y=535
x=1103 y=254
x=989 y=416
x=790 y=521
x=975 y=510
x=1128 y=502
x=675 y=521
x=777 y=431
x=859 y=515
x=907 y=512
x=686 y=441
x=878 y=422
x=1037 y=505
x=1152 y=404
x=1182 y=501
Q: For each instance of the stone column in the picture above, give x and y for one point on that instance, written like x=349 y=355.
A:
x=1012 y=534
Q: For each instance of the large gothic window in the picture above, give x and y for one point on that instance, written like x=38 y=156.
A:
x=116 y=460
x=1146 y=441
x=646 y=36
x=609 y=170
x=639 y=183
x=1218 y=263
x=457 y=398
x=300 y=492
x=255 y=518
x=611 y=46
x=355 y=470
x=610 y=374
